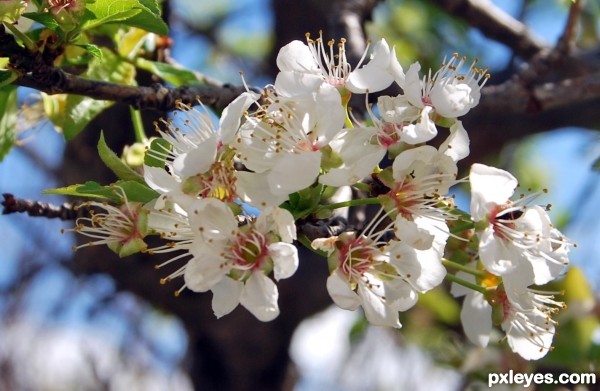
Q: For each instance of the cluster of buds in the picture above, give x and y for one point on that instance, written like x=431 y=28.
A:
x=230 y=193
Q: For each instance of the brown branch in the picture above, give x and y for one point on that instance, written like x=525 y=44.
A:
x=494 y=24
x=37 y=71
x=566 y=42
x=56 y=81
x=347 y=21
x=65 y=211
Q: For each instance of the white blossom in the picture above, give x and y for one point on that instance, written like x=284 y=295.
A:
x=514 y=236
x=306 y=67
x=234 y=261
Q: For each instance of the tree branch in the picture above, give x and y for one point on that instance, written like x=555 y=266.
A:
x=66 y=211
x=55 y=81
x=495 y=24
x=347 y=21
x=566 y=43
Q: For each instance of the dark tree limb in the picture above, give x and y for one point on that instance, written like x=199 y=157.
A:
x=494 y=24
x=56 y=81
x=66 y=211
x=347 y=21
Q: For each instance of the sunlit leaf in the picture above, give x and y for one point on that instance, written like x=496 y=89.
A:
x=71 y=113
x=44 y=18
x=93 y=50
x=177 y=77
x=112 y=161
x=136 y=13
x=134 y=191
x=8 y=118
x=89 y=189
x=131 y=41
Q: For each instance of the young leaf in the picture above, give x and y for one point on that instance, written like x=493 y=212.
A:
x=8 y=119
x=112 y=161
x=71 y=113
x=43 y=18
x=169 y=73
x=137 y=13
x=134 y=191
x=89 y=189
x=161 y=146
x=93 y=50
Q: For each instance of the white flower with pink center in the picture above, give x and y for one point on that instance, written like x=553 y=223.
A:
x=525 y=315
x=234 y=261
x=512 y=235
x=383 y=277
x=197 y=157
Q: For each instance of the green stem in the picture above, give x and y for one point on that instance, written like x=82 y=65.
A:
x=138 y=125
x=466 y=284
x=462 y=268
x=344 y=204
x=462 y=226
x=29 y=44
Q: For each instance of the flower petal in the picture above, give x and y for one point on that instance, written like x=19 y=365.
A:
x=376 y=310
x=203 y=272
x=490 y=186
x=297 y=57
x=259 y=296
x=285 y=259
x=286 y=177
x=476 y=318
x=340 y=292
x=212 y=220
x=197 y=161
x=457 y=144
x=226 y=296
x=232 y=114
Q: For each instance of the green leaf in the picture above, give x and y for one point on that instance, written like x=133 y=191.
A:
x=144 y=14
x=71 y=113
x=7 y=77
x=112 y=161
x=134 y=191
x=43 y=18
x=89 y=189
x=169 y=73
x=93 y=50
x=152 y=6
x=8 y=118
x=161 y=146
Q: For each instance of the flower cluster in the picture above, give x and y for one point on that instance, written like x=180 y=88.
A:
x=229 y=195
x=517 y=247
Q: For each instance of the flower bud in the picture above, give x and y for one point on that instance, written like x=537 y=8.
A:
x=11 y=10
x=67 y=13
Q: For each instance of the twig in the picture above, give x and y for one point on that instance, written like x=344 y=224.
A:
x=566 y=42
x=65 y=211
